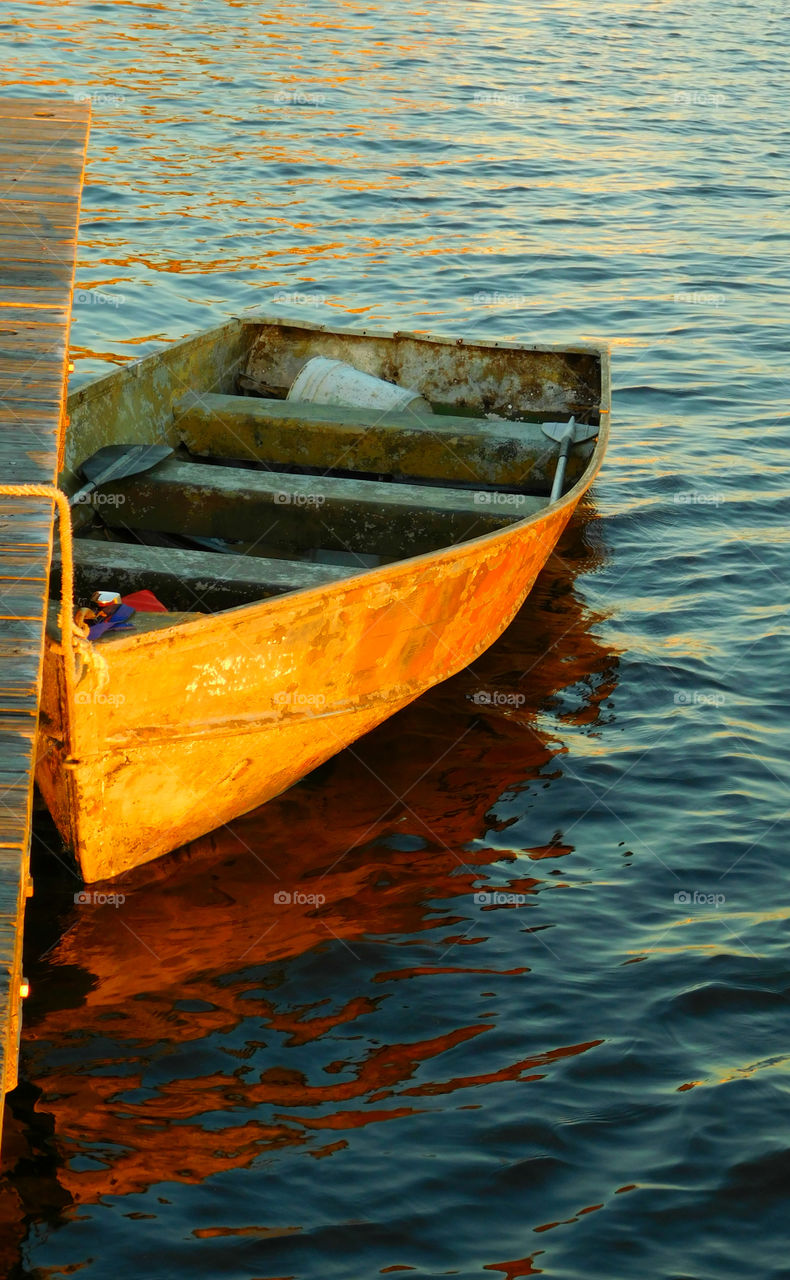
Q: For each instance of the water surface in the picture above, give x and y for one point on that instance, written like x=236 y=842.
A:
x=587 y=1075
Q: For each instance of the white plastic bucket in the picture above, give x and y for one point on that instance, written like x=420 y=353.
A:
x=324 y=381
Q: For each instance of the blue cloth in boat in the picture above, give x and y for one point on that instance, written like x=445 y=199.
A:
x=118 y=621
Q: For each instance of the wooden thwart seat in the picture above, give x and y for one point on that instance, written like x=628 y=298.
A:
x=189 y=580
x=458 y=450
x=301 y=513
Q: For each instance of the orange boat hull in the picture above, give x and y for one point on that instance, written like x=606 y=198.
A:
x=177 y=732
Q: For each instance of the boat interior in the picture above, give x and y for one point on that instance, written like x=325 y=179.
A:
x=264 y=494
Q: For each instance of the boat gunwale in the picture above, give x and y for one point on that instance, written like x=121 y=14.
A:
x=393 y=569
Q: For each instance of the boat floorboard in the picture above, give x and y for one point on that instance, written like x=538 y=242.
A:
x=43 y=146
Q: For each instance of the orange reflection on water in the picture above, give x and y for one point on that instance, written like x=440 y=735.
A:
x=198 y=947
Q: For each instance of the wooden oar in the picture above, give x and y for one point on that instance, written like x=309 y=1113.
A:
x=566 y=434
x=116 y=462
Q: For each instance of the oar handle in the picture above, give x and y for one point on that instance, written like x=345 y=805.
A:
x=559 y=474
x=83 y=493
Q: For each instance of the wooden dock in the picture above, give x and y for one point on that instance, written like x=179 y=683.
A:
x=42 y=159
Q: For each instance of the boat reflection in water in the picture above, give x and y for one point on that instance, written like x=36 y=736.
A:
x=179 y=1003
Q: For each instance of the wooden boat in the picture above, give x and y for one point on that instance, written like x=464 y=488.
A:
x=372 y=556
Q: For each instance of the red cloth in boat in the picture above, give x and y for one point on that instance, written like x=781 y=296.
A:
x=145 y=602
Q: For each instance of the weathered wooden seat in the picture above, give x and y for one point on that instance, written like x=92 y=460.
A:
x=300 y=513
x=190 y=579
x=458 y=450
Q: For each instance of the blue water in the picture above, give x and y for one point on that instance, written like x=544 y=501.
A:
x=219 y=1085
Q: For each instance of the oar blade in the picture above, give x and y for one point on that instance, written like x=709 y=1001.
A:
x=577 y=431
x=131 y=459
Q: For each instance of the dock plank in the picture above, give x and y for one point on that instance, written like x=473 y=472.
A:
x=42 y=157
